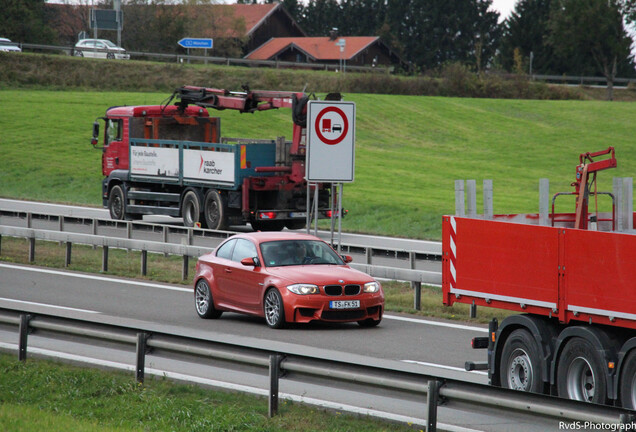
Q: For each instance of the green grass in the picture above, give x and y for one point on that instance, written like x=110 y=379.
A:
x=48 y=396
x=409 y=150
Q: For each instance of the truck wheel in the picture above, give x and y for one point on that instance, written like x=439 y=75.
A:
x=628 y=382
x=521 y=367
x=190 y=209
x=214 y=211
x=580 y=374
x=117 y=203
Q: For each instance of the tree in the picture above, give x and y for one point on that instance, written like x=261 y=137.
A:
x=592 y=28
x=525 y=30
x=24 y=21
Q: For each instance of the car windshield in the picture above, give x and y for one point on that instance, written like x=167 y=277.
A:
x=298 y=252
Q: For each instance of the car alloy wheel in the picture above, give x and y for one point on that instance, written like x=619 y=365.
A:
x=274 y=311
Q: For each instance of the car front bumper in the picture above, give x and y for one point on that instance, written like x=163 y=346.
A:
x=304 y=309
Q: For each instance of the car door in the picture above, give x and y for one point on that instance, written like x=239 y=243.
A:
x=246 y=281
x=101 y=50
x=222 y=270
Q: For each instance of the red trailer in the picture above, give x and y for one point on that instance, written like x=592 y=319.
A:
x=575 y=287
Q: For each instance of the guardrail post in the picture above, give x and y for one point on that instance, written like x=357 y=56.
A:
x=415 y=286
x=417 y=295
x=94 y=230
x=129 y=231
x=31 y=249
x=184 y=268
x=60 y=222
x=0 y=244
x=29 y=220
x=274 y=376
x=24 y=334
x=67 y=259
x=141 y=356
x=432 y=397
x=473 y=310
x=165 y=238
x=144 y=262
x=104 y=259
x=368 y=253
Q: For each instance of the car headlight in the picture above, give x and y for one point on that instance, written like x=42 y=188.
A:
x=303 y=289
x=371 y=287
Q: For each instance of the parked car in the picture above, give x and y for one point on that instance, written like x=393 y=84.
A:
x=7 y=46
x=285 y=277
x=100 y=48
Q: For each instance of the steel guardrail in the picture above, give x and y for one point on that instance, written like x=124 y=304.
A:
x=301 y=367
x=186 y=251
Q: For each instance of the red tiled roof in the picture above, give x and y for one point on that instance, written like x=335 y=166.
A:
x=252 y=14
x=318 y=48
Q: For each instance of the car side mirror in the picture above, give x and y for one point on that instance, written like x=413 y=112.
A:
x=95 y=138
x=347 y=258
x=250 y=262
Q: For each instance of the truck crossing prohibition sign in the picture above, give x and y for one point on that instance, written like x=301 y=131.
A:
x=330 y=141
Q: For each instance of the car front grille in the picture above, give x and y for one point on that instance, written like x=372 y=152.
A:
x=337 y=290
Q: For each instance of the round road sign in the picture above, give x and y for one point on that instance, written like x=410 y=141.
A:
x=331 y=125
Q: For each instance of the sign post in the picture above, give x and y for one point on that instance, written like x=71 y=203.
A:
x=330 y=149
x=204 y=43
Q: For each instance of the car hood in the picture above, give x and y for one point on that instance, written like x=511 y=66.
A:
x=320 y=274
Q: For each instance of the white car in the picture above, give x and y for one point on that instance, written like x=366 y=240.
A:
x=100 y=48
x=7 y=46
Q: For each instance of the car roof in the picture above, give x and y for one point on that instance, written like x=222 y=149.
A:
x=266 y=236
x=4 y=39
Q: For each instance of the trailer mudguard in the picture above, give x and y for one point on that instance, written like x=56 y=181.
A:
x=542 y=329
x=602 y=342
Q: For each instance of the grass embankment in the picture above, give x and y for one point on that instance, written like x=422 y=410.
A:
x=409 y=150
x=46 y=396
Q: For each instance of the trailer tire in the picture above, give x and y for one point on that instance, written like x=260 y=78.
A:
x=521 y=366
x=191 y=209
x=628 y=382
x=117 y=203
x=215 y=210
x=580 y=373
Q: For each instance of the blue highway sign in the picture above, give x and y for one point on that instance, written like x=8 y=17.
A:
x=195 y=43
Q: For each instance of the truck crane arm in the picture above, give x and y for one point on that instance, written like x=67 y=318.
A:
x=246 y=101
x=588 y=166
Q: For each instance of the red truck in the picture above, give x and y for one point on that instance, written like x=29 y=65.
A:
x=574 y=282
x=172 y=160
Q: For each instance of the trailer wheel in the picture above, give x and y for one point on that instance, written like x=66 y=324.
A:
x=214 y=211
x=580 y=374
x=521 y=367
x=628 y=382
x=190 y=209
x=117 y=203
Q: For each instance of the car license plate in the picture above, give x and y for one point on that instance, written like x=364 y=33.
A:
x=344 y=304
x=298 y=214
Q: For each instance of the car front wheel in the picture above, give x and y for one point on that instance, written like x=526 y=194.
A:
x=274 y=310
